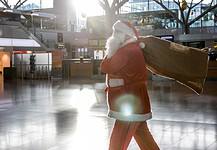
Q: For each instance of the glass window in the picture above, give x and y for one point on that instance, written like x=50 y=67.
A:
x=98 y=54
x=31 y=4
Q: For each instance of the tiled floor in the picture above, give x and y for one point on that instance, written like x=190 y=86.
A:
x=71 y=115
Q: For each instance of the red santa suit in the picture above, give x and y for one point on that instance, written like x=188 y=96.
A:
x=126 y=76
x=127 y=95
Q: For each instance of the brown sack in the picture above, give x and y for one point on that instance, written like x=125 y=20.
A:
x=185 y=64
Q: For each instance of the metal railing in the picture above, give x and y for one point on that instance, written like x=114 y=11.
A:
x=42 y=71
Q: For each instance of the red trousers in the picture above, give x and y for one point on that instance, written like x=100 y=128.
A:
x=124 y=131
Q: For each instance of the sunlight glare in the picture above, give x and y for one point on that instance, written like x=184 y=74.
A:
x=87 y=7
x=82 y=100
x=96 y=139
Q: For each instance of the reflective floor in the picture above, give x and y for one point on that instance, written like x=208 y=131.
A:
x=71 y=115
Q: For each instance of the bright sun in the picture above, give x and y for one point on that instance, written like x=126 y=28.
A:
x=88 y=7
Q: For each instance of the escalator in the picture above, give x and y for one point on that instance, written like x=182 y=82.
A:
x=21 y=26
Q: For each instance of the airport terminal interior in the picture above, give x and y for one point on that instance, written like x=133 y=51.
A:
x=53 y=91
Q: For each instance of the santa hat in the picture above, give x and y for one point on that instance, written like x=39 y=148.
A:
x=125 y=27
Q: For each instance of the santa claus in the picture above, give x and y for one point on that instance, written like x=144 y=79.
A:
x=126 y=91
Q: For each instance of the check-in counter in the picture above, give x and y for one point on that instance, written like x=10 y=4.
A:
x=78 y=68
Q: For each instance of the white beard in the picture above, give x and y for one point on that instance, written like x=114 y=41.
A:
x=114 y=43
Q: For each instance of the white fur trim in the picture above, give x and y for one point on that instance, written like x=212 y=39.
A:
x=142 y=45
x=131 y=117
x=116 y=82
x=122 y=27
